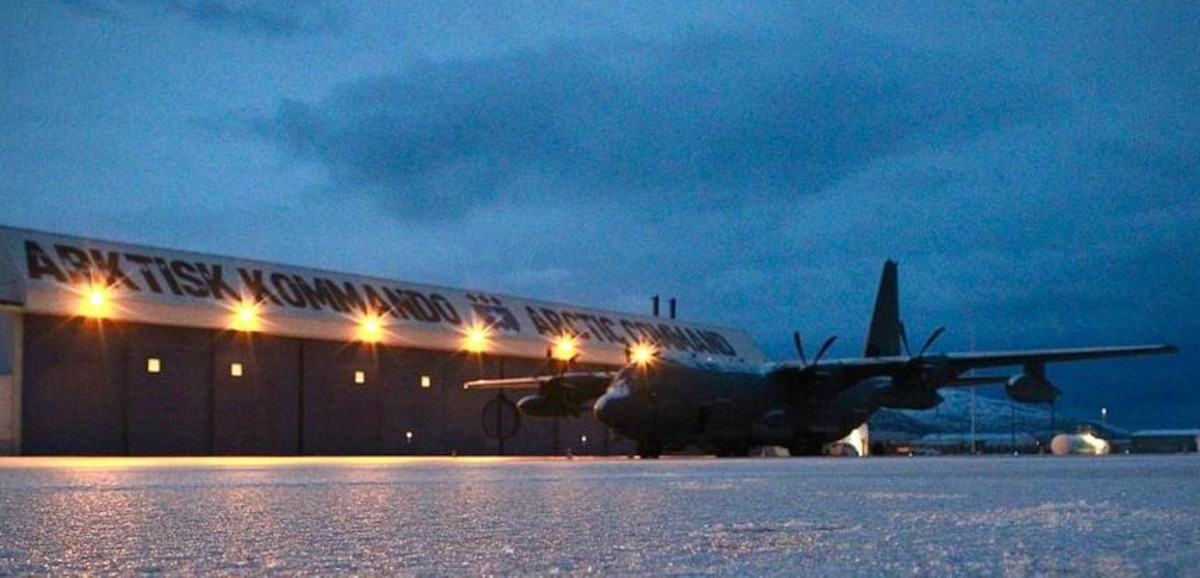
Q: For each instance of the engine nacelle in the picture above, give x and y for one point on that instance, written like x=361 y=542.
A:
x=895 y=396
x=538 y=405
x=921 y=399
x=1026 y=388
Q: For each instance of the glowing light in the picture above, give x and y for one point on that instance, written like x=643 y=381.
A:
x=370 y=329
x=565 y=348
x=245 y=316
x=476 y=339
x=642 y=353
x=96 y=302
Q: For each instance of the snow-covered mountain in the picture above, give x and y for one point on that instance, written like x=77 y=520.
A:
x=991 y=415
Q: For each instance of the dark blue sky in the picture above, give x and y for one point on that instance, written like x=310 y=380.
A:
x=1033 y=167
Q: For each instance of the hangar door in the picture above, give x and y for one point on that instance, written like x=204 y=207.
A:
x=168 y=379
x=256 y=395
x=10 y=406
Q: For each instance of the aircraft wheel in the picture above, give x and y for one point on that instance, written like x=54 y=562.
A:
x=650 y=450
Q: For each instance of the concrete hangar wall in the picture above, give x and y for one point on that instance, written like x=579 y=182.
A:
x=116 y=349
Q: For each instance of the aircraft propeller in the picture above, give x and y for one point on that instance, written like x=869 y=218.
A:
x=928 y=342
x=915 y=369
x=820 y=353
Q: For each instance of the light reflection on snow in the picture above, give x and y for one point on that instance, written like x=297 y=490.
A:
x=928 y=516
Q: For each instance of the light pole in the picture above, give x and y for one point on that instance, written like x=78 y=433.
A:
x=1104 y=417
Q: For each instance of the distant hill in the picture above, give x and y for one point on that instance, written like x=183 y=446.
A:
x=992 y=416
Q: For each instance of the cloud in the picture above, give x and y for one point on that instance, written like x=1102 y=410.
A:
x=715 y=120
x=1032 y=168
x=266 y=17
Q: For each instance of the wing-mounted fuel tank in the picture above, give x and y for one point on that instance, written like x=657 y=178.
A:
x=1031 y=386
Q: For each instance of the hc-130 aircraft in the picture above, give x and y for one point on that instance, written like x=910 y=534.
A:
x=671 y=403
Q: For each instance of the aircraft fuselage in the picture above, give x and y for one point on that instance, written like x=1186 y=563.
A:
x=672 y=405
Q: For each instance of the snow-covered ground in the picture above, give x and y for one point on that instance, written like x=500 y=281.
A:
x=1121 y=515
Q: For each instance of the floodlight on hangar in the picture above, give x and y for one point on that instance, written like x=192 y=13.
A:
x=245 y=316
x=475 y=339
x=96 y=301
x=565 y=348
x=642 y=353
x=370 y=328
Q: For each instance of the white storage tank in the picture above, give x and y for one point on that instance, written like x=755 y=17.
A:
x=1085 y=443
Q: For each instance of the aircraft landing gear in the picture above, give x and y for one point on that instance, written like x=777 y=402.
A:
x=649 y=449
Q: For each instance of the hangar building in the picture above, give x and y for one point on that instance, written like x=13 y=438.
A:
x=115 y=349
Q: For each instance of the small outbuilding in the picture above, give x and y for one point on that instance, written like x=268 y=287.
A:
x=1165 y=441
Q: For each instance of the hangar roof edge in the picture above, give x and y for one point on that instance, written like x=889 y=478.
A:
x=50 y=273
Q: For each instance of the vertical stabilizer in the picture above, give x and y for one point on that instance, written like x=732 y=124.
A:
x=884 y=337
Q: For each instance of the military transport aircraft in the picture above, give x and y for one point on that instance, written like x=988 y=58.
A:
x=671 y=403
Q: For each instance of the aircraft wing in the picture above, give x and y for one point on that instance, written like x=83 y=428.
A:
x=959 y=363
x=567 y=394
x=950 y=367
x=912 y=382
x=584 y=382
x=966 y=361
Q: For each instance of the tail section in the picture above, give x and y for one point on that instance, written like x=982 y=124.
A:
x=884 y=337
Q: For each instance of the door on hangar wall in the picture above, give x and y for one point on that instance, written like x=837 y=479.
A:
x=72 y=388
x=256 y=395
x=341 y=398
x=169 y=390
x=10 y=422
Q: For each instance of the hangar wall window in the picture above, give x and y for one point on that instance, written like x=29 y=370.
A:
x=360 y=377
x=235 y=369
x=426 y=381
x=153 y=365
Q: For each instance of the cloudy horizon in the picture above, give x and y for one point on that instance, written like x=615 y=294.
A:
x=1031 y=167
